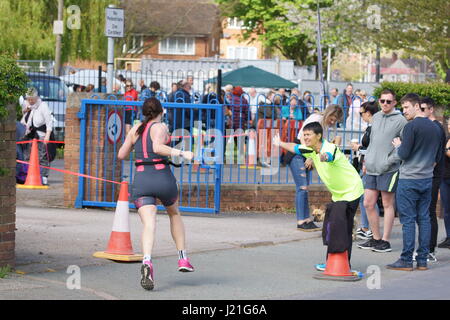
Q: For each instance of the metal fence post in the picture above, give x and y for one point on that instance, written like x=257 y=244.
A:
x=82 y=116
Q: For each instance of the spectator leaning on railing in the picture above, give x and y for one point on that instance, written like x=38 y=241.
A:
x=300 y=166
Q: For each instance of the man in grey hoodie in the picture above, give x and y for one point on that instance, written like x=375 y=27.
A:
x=381 y=170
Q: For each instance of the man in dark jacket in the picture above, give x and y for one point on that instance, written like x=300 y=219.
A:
x=419 y=151
x=180 y=118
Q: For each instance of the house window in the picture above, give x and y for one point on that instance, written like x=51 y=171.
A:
x=136 y=44
x=177 y=45
x=249 y=53
x=234 y=23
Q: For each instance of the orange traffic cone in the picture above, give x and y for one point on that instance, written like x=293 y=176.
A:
x=252 y=148
x=338 y=268
x=33 y=180
x=119 y=245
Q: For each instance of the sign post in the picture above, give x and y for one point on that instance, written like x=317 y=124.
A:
x=58 y=30
x=114 y=28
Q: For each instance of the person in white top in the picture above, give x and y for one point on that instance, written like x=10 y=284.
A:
x=253 y=99
x=354 y=121
x=328 y=119
x=38 y=121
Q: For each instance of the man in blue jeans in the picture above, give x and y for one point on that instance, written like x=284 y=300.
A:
x=418 y=150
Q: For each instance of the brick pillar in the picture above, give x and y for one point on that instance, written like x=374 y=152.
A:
x=71 y=148
x=99 y=153
x=8 y=188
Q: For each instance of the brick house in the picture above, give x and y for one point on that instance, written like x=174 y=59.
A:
x=182 y=30
x=233 y=47
x=403 y=70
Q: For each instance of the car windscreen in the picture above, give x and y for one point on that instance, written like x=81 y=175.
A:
x=49 y=89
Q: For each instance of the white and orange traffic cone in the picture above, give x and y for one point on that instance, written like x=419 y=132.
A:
x=119 y=245
x=33 y=180
x=252 y=148
x=251 y=151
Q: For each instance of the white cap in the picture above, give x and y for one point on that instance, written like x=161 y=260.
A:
x=31 y=93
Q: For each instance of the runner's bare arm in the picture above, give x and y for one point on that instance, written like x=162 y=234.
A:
x=159 y=135
x=285 y=145
x=127 y=146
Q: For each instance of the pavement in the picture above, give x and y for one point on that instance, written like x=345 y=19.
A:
x=237 y=256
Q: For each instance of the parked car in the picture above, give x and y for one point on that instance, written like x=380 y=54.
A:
x=54 y=91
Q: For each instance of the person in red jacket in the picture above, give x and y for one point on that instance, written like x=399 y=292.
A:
x=130 y=111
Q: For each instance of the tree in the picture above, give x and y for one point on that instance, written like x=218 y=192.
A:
x=288 y=26
x=346 y=63
x=419 y=28
x=89 y=41
x=13 y=82
x=27 y=29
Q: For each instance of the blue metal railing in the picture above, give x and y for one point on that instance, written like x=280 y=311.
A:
x=93 y=117
x=236 y=134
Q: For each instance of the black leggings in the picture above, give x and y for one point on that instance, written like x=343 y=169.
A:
x=337 y=231
x=153 y=184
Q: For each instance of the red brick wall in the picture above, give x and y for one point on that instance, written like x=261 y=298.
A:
x=268 y=198
x=8 y=189
x=97 y=154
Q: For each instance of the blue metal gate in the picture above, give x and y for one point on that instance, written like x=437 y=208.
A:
x=102 y=132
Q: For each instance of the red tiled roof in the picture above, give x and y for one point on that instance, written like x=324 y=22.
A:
x=174 y=17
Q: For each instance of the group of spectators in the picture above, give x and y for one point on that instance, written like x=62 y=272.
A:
x=246 y=110
x=405 y=158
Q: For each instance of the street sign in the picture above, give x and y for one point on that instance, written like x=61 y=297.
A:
x=115 y=22
x=58 y=27
x=114 y=127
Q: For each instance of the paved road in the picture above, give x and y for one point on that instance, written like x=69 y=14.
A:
x=236 y=256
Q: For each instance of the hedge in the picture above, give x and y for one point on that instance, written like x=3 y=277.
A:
x=13 y=81
x=439 y=92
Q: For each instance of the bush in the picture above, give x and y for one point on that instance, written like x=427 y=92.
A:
x=439 y=92
x=13 y=81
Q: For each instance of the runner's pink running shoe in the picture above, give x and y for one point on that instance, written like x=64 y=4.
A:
x=185 y=266
x=147 y=281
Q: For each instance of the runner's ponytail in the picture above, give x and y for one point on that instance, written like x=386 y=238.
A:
x=151 y=109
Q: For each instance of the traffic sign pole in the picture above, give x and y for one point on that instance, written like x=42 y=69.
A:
x=110 y=66
x=114 y=29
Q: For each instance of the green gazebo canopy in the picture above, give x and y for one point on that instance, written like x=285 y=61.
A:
x=251 y=76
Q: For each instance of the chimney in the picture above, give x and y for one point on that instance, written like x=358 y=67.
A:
x=394 y=57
